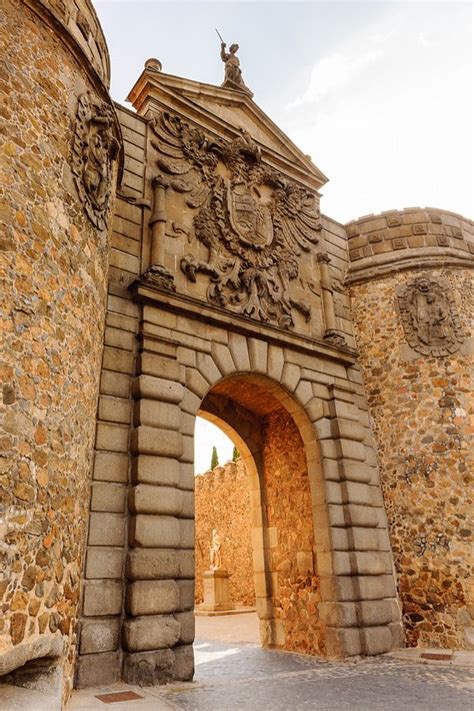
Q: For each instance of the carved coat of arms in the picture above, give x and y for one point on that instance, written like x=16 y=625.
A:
x=429 y=317
x=255 y=223
x=94 y=149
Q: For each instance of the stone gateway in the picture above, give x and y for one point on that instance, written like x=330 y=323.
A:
x=172 y=261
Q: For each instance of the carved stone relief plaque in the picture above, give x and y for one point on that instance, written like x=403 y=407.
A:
x=429 y=317
x=256 y=224
x=94 y=149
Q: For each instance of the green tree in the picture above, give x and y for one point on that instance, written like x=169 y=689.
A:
x=214 y=458
x=235 y=454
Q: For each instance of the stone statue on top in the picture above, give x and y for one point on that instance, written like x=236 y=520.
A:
x=233 y=74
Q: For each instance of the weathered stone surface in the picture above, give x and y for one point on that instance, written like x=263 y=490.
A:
x=104 y=562
x=54 y=288
x=108 y=497
x=98 y=635
x=152 y=597
x=149 y=633
x=155 y=531
x=144 y=564
x=149 y=668
x=156 y=470
x=156 y=441
x=186 y=623
x=186 y=594
x=157 y=414
x=147 y=499
x=155 y=388
x=102 y=597
x=422 y=433
x=106 y=529
x=109 y=466
x=97 y=669
x=184 y=663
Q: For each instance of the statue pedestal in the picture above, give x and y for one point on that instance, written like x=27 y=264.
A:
x=216 y=591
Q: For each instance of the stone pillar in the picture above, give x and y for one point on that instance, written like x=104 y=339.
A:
x=59 y=119
x=158 y=631
x=359 y=597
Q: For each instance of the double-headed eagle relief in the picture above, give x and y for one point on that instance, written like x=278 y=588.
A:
x=255 y=223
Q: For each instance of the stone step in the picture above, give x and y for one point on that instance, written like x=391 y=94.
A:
x=17 y=698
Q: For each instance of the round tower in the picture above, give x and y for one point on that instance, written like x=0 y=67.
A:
x=60 y=158
x=410 y=285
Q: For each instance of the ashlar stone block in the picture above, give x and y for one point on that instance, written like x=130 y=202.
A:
x=152 y=597
x=159 y=366
x=157 y=442
x=155 y=388
x=223 y=359
x=158 y=563
x=102 y=598
x=186 y=624
x=109 y=466
x=149 y=668
x=155 y=531
x=162 y=471
x=208 y=368
x=184 y=663
x=164 y=415
x=97 y=669
x=150 y=632
x=148 y=499
x=104 y=563
x=106 y=529
x=99 y=635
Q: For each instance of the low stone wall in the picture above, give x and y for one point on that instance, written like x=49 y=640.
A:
x=223 y=502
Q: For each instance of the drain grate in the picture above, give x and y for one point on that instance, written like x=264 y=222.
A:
x=436 y=656
x=117 y=696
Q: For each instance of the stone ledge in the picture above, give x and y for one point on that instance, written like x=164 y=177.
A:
x=43 y=647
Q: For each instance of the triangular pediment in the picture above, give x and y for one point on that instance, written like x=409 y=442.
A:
x=222 y=112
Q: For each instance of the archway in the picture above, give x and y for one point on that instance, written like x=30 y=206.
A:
x=253 y=411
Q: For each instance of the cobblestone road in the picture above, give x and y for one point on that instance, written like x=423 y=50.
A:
x=247 y=678
x=243 y=677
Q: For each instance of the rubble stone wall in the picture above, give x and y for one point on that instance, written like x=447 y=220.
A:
x=222 y=501
x=296 y=586
x=53 y=273
x=420 y=405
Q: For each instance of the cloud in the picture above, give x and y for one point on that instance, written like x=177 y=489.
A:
x=333 y=73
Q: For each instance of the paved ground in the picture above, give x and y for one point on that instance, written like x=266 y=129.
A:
x=240 y=676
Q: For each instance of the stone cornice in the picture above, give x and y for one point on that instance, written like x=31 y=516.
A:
x=185 y=305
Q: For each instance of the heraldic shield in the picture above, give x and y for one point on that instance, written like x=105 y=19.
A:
x=251 y=220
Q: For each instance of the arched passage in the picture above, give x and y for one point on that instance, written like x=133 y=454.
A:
x=190 y=366
x=244 y=382
x=284 y=562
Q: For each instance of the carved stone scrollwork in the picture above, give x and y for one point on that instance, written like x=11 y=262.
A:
x=159 y=276
x=94 y=149
x=255 y=223
x=429 y=317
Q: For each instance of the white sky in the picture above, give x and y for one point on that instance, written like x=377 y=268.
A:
x=378 y=93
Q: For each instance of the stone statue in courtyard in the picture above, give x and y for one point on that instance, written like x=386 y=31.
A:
x=233 y=74
x=215 y=552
